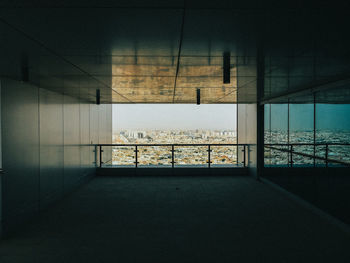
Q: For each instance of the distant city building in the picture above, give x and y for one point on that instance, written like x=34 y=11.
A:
x=223 y=155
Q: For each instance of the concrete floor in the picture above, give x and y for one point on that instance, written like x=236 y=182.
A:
x=177 y=219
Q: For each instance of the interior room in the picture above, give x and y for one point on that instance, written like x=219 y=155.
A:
x=174 y=131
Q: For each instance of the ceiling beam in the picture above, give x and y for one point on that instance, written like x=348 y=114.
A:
x=180 y=47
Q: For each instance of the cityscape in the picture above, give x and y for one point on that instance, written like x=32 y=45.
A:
x=224 y=155
x=183 y=155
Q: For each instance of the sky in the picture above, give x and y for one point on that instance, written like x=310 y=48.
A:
x=174 y=116
x=223 y=116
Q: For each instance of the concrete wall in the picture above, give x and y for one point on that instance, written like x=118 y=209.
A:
x=46 y=147
x=247 y=133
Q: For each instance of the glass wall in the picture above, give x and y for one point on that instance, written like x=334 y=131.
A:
x=296 y=132
x=301 y=131
x=267 y=133
x=276 y=116
x=333 y=130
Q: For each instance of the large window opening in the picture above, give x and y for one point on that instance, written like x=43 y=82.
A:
x=175 y=135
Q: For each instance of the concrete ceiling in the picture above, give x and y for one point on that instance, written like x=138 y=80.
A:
x=162 y=51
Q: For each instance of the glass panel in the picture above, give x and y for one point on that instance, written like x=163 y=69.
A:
x=154 y=156
x=338 y=153
x=303 y=155
x=267 y=156
x=223 y=156
x=191 y=156
x=277 y=155
x=123 y=156
x=332 y=123
x=333 y=126
x=267 y=133
x=320 y=151
x=267 y=123
x=279 y=123
x=301 y=130
x=301 y=123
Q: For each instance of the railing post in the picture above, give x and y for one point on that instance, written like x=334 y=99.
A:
x=95 y=152
x=326 y=155
x=172 y=156
x=209 y=161
x=136 y=157
x=291 y=156
x=244 y=155
x=101 y=156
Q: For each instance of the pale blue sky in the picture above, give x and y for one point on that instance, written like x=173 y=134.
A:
x=174 y=116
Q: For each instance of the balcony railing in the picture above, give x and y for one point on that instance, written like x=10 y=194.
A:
x=172 y=155
x=310 y=154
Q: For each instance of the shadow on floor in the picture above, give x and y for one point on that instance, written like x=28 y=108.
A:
x=177 y=219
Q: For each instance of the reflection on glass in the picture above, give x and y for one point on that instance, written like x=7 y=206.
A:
x=277 y=133
x=267 y=133
x=279 y=123
x=340 y=153
x=332 y=123
x=333 y=126
x=267 y=123
x=332 y=132
x=301 y=123
x=320 y=151
x=277 y=156
x=303 y=155
x=301 y=130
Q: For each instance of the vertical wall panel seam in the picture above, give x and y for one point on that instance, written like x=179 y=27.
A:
x=80 y=147
x=89 y=133
x=1 y=166
x=39 y=156
x=64 y=148
x=62 y=111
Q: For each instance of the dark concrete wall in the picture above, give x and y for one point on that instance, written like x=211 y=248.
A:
x=326 y=188
x=46 y=147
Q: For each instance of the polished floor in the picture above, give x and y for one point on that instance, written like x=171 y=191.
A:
x=177 y=219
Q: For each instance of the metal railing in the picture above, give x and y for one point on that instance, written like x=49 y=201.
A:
x=240 y=161
x=289 y=148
